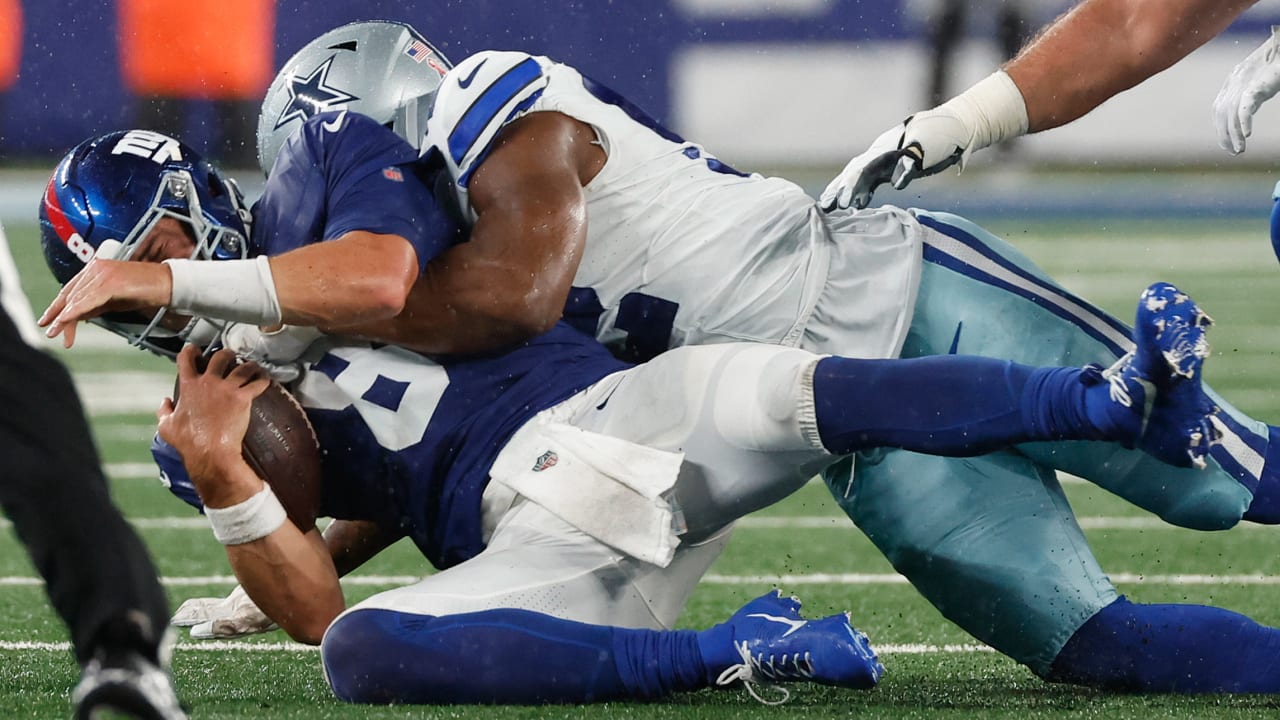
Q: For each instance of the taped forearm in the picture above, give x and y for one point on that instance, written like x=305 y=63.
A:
x=993 y=110
x=236 y=290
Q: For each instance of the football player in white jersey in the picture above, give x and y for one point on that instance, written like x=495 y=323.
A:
x=649 y=241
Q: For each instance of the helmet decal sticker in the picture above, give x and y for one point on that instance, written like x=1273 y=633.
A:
x=312 y=94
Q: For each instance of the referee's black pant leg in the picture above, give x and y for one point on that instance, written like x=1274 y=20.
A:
x=97 y=572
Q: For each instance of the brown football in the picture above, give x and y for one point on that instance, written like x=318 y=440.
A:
x=281 y=447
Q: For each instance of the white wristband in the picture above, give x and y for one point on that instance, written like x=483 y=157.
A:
x=244 y=522
x=236 y=290
x=993 y=110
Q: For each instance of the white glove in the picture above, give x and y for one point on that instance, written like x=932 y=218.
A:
x=277 y=351
x=925 y=144
x=932 y=141
x=1254 y=81
x=222 y=618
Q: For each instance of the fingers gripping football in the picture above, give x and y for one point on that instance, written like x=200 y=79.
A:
x=275 y=436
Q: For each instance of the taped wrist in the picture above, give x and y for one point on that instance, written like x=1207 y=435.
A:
x=244 y=522
x=993 y=110
x=236 y=290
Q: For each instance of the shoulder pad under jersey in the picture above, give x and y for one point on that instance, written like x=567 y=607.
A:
x=476 y=99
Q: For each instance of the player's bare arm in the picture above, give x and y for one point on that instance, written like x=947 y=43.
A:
x=1104 y=47
x=287 y=573
x=358 y=277
x=1098 y=49
x=510 y=281
x=352 y=543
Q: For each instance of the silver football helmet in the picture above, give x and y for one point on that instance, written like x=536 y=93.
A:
x=383 y=69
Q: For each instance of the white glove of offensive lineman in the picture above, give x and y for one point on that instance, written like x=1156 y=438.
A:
x=932 y=141
x=1254 y=81
x=278 y=352
x=222 y=618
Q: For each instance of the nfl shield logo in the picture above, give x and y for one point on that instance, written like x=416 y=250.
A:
x=546 y=460
x=393 y=174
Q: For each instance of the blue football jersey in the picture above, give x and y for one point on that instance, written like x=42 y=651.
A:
x=342 y=172
x=407 y=441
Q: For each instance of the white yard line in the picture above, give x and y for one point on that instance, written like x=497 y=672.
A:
x=112 y=393
x=291 y=647
x=1123 y=578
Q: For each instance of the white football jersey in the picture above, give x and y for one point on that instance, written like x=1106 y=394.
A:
x=681 y=249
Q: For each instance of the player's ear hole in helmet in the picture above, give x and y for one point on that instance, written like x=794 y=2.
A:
x=107 y=196
x=383 y=69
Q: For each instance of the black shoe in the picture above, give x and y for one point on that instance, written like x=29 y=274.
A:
x=124 y=684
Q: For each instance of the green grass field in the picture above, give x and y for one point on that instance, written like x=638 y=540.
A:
x=934 y=670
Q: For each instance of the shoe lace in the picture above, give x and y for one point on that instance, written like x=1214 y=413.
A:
x=1114 y=375
x=767 y=669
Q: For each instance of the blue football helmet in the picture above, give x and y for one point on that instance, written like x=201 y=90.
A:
x=106 y=196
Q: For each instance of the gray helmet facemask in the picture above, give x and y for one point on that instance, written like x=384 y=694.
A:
x=383 y=69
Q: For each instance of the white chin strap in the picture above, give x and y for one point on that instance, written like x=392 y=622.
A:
x=109 y=250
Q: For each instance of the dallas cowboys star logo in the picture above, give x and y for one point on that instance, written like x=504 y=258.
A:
x=312 y=94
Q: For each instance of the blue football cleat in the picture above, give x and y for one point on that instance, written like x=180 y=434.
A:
x=1159 y=381
x=776 y=645
x=124 y=684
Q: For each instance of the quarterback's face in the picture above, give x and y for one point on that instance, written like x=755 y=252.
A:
x=170 y=239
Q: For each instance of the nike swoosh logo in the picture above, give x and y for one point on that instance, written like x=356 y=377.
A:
x=795 y=624
x=335 y=123
x=465 y=82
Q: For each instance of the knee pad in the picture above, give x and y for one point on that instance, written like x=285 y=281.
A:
x=763 y=399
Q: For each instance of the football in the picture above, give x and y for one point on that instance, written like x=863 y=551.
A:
x=280 y=445
x=281 y=448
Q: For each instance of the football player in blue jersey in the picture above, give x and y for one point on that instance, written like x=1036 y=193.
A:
x=546 y=481
x=682 y=249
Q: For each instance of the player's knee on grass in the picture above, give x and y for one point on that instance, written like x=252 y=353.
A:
x=356 y=650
